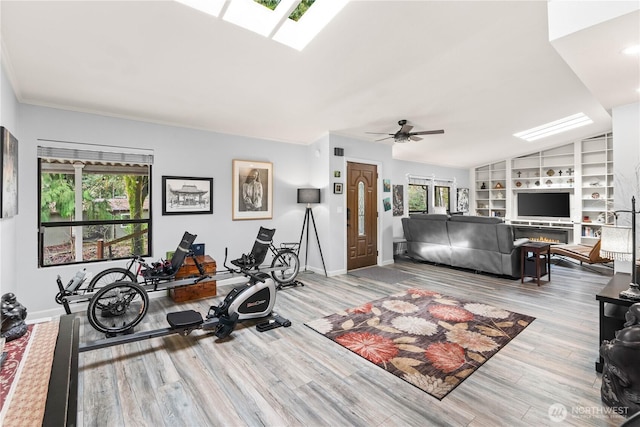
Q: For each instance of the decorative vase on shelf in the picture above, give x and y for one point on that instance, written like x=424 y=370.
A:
x=483 y=186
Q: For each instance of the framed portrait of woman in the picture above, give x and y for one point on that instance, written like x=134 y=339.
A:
x=252 y=190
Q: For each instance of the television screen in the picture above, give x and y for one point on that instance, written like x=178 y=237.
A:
x=554 y=205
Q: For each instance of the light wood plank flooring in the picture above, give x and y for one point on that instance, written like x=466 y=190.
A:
x=296 y=377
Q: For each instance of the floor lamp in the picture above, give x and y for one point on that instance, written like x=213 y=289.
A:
x=309 y=196
x=619 y=243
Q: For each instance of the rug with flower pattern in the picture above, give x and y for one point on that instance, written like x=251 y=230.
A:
x=430 y=340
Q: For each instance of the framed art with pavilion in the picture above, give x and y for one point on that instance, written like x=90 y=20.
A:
x=183 y=195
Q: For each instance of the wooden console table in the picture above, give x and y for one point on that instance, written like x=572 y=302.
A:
x=612 y=309
x=540 y=263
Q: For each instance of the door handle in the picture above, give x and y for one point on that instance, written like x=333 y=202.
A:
x=348 y=217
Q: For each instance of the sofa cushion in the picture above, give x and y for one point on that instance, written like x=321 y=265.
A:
x=430 y=217
x=477 y=219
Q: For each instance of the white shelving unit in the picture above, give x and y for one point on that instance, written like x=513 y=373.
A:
x=549 y=169
x=491 y=189
x=596 y=159
x=584 y=168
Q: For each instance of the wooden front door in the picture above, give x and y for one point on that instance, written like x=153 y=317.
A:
x=362 y=215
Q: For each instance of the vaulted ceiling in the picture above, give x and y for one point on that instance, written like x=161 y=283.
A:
x=481 y=71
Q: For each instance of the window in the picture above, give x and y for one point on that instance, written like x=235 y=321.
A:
x=418 y=197
x=93 y=205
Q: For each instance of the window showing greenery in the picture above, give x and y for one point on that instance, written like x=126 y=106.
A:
x=418 y=198
x=297 y=13
x=301 y=9
x=271 y=4
x=92 y=210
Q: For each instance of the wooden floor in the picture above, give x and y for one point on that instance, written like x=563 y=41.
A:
x=296 y=377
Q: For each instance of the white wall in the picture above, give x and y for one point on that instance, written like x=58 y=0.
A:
x=187 y=152
x=8 y=230
x=626 y=163
x=362 y=152
x=177 y=151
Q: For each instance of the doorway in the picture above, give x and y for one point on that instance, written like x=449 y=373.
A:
x=362 y=215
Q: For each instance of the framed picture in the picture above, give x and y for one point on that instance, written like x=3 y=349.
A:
x=387 y=203
x=252 y=190
x=463 y=200
x=9 y=165
x=386 y=185
x=337 y=188
x=398 y=200
x=183 y=195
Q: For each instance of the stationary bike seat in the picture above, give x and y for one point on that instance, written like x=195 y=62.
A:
x=184 y=319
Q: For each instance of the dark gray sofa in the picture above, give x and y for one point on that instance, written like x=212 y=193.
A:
x=478 y=243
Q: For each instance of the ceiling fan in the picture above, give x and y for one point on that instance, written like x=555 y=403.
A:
x=405 y=134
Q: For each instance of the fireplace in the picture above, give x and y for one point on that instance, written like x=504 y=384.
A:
x=542 y=234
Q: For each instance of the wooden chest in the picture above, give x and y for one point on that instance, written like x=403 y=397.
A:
x=204 y=289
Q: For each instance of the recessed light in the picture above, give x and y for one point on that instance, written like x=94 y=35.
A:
x=632 y=50
x=552 y=128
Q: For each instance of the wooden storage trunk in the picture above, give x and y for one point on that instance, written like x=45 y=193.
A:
x=204 y=289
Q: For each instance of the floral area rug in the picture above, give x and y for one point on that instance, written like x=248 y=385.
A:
x=428 y=339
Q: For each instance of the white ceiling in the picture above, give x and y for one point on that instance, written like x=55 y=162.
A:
x=480 y=70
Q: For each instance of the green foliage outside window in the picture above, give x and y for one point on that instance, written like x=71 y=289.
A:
x=297 y=13
x=107 y=197
x=417 y=198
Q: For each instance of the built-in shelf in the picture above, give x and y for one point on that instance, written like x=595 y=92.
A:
x=596 y=158
x=583 y=168
x=491 y=189
x=549 y=169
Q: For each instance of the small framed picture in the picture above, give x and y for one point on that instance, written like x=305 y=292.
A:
x=336 y=174
x=337 y=188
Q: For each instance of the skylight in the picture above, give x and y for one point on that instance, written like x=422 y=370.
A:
x=291 y=22
x=552 y=128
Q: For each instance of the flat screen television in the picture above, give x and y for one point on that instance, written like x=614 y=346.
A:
x=553 y=205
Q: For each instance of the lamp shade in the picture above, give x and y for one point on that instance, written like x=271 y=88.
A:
x=616 y=243
x=308 y=195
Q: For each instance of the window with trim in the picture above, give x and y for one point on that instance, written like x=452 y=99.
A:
x=93 y=205
x=418 y=198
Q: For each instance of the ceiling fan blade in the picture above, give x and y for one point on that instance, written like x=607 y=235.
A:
x=406 y=128
x=415 y=138
x=384 y=138
x=379 y=133
x=428 y=132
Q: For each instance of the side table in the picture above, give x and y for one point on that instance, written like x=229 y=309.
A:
x=539 y=264
x=612 y=310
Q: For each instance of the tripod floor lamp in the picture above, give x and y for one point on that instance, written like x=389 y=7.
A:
x=309 y=196
x=619 y=243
